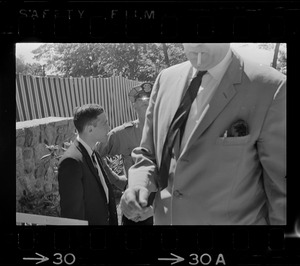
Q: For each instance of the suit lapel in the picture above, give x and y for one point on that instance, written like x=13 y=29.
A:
x=113 y=219
x=173 y=96
x=111 y=196
x=108 y=184
x=88 y=159
x=223 y=95
x=183 y=83
x=100 y=162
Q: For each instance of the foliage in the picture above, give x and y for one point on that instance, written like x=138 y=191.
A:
x=141 y=61
x=136 y=61
x=281 y=64
x=42 y=203
x=281 y=61
x=35 y=69
x=266 y=46
x=54 y=152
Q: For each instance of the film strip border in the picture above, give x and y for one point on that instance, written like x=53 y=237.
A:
x=250 y=21
x=138 y=246
x=39 y=97
x=96 y=21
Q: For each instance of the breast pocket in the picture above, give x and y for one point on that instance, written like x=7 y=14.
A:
x=233 y=140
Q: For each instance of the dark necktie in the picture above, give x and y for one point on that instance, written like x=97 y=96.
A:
x=177 y=127
x=94 y=162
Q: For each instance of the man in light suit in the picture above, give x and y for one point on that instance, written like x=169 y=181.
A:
x=228 y=163
x=85 y=191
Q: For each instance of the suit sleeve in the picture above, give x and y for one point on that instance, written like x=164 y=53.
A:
x=71 y=189
x=144 y=171
x=272 y=154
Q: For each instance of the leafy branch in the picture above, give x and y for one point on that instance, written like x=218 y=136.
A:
x=40 y=202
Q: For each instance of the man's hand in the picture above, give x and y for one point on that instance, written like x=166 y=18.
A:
x=147 y=214
x=134 y=202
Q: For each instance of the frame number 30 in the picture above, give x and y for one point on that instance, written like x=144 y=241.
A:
x=68 y=259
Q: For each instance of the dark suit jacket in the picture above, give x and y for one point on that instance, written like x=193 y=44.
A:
x=81 y=193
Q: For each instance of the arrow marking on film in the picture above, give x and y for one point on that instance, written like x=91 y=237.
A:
x=41 y=258
x=176 y=260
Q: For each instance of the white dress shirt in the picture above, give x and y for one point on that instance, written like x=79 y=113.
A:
x=90 y=152
x=200 y=105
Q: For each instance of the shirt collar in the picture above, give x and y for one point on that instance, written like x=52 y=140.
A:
x=87 y=147
x=218 y=71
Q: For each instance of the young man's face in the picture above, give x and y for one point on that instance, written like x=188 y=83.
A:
x=100 y=131
x=204 y=56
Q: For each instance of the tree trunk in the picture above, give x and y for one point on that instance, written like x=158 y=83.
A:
x=276 y=50
x=165 y=50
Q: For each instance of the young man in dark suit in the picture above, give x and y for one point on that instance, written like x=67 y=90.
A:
x=85 y=191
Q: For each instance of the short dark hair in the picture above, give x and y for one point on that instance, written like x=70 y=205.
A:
x=86 y=115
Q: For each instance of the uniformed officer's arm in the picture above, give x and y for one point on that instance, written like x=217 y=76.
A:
x=108 y=148
x=120 y=181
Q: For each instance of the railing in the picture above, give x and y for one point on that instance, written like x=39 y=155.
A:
x=39 y=97
x=33 y=219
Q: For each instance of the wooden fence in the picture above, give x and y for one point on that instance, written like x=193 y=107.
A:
x=39 y=97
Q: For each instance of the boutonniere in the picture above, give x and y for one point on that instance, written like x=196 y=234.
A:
x=239 y=128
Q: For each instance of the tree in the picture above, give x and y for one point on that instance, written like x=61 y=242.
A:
x=266 y=46
x=275 y=57
x=281 y=64
x=35 y=69
x=20 y=65
x=165 y=50
x=279 y=58
x=71 y=59
x=141 y=61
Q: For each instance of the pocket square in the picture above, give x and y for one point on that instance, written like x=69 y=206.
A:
x=238 y=129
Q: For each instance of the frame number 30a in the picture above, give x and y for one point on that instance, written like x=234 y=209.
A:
x=206 y=259
x=68 y=259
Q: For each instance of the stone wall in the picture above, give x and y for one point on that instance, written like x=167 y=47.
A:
x=36 y=178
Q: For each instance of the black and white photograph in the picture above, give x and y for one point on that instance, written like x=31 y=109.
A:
x=151 y=134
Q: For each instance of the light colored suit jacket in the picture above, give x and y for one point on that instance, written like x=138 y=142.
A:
x=216 y=180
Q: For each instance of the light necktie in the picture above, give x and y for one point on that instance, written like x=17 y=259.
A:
x=177 y=127
x=99 y=172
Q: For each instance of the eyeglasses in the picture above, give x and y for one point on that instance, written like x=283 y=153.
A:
x=142 y=91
